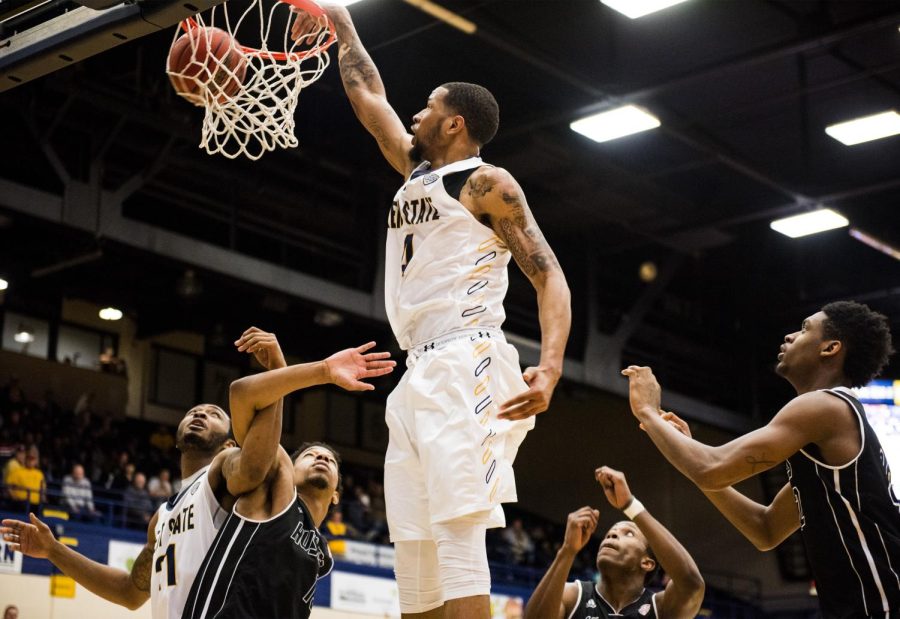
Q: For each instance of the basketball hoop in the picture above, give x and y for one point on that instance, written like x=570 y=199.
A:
x=249 y=93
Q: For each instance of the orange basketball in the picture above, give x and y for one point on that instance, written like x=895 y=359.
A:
x=206 y=62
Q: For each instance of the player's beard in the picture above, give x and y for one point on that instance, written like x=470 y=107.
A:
x=318 y=481
x=196 y=442
x=415 y=153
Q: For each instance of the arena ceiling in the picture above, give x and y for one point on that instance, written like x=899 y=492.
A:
x=744 y=91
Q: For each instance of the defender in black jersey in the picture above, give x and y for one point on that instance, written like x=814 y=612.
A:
x=268 y=556
x=625 y=561
x=839 y=492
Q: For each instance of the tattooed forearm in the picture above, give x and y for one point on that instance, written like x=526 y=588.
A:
x=140 y=573
x=533 y=256
x=357 y=68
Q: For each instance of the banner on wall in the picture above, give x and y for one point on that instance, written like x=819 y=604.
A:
x=10 y=561
x=364 y=594
x=371 y=595
x=123 y=554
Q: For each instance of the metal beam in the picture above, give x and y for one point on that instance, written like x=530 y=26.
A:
x=83 y=32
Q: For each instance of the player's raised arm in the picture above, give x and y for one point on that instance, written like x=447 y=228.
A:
x=35 y=539
x=554 y=598
x=766 y=526
x=496 y=196
x=684 y=593
x=364 y=88
x=805 y=419
x=257 y=427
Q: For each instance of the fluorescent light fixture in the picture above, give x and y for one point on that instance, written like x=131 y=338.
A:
x=866 y=128
x=875 y=243
x=809 y=223
x=445 y=15
x=4 y=284
x=615 y=123
x=110 y=313
x=639 y=8
x=345 y=2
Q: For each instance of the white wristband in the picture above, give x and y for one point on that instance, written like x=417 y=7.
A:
x=634 y=508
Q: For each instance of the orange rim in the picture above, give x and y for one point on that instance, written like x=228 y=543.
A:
x=305 y=5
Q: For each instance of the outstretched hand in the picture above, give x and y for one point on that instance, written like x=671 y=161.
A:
x=644 y=392
x=614 y=487
x=349 y=367
x=263 y=346
x=580 y=525
x=34 y=540
x=541 y=382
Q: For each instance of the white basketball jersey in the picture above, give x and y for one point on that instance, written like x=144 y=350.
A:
x=185 y=529
x=444 y=270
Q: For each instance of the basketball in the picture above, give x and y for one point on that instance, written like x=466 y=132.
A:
x=206 y=60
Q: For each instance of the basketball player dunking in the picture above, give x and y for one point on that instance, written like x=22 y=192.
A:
x=626 y=559
x=178 y=535
x=839 y=491
x=269 y=554
x=462 y=408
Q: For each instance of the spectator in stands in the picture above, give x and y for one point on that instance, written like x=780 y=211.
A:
x=521 y=548
x=16 y=462
x=109 y=362
x=139 y=506
x=337 y=528
x=78 y=497
x=120 y=478
x=26 y=485
x=160 y=486
x=11 y=612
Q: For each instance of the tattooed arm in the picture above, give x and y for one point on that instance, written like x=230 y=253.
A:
x=365 y=89
x=494 y=196
x=814 y=417
x=35 y=539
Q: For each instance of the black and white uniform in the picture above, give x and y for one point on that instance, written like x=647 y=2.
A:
x=261 y=569
x=186 y=526
x=850 y=522
x=591 y=605
x=445 y=280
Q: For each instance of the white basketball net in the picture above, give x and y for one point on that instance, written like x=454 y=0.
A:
x=257 y=116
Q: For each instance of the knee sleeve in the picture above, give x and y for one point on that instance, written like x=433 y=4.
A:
x=418 y=576
x=462 y=556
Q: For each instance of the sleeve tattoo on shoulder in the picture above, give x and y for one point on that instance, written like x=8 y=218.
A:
x=524 y=239
x=140 y=572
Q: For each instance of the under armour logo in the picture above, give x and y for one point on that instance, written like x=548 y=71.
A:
x=428 y=347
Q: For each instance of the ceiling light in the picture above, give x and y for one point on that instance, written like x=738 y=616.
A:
x=809 y=223
x=344 y=2
x=24 y=335
x=328 y=318
x=110 y=313
x=866 y=128
x=639 y=8
x=4 y=284
x=615 y=123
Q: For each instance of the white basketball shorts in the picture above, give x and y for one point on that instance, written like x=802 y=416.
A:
x=449 y=455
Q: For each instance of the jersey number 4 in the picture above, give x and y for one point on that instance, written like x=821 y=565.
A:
x=169 y=560
x=407 y=252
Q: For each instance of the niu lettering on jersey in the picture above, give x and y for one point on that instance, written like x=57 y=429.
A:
x=591 y=605
x=850 y=522
x=261 y=570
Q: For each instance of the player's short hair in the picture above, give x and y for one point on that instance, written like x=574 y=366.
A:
x=334 y=452
x=478 y=106
x=866 y=336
